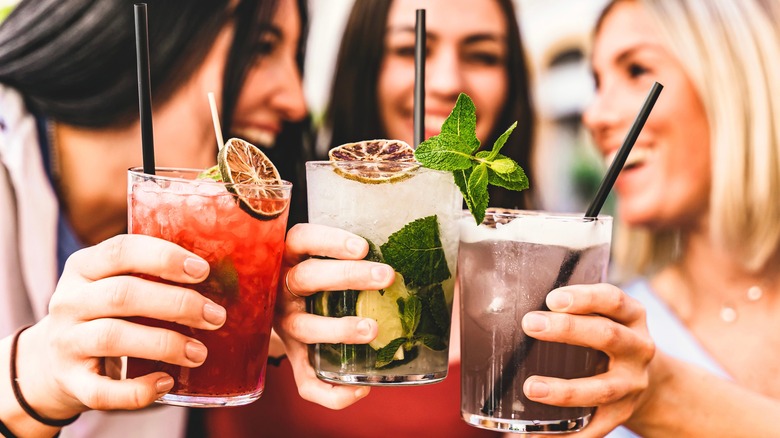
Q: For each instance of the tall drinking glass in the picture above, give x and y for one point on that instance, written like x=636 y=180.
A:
x=409 y=215
x=244 y=253
x=506 y=267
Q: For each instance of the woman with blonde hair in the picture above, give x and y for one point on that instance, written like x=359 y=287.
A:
x=698 y=204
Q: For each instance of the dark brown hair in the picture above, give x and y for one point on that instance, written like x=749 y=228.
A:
x=353 y=111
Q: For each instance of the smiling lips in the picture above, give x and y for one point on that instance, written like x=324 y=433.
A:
x=637 y=157
x=257 y=136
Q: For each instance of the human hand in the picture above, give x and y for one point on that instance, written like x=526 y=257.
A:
x=602 y=317
x=69 y=361
x=303 y=276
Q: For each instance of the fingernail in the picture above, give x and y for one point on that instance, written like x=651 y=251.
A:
x=214 y=313
x=361 y=392
x=164 y=384
x=356 y=245
x=381 y=272
x=195 y=268
x=535 y=322
x=559 y=300
x=195 y=351
x=365 y=326
x=538 y=389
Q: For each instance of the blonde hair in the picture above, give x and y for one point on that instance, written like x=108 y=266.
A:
x=731 y=53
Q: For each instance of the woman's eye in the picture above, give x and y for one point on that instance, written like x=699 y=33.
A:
x=484 y=58
x=403 y=51
x=636 y=70
x=266 y=44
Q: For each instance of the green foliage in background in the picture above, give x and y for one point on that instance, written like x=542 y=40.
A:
x=4 y=11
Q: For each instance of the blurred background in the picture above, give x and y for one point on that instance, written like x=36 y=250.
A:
x=557 y=38
x=556 y=35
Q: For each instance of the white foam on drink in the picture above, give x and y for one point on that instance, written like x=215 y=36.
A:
x=571 y=231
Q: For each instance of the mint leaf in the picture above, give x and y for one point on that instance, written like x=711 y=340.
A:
x=456 y=149
x=501 y=141
x=435 y=319
x=462 y=122
x=410 y=317
x=437 y=304
x=444 y=152
x=212 y=173
x=415 y=251
x=477 y=192
x=514 y=180
x=373 y=254
x=503 y=166
x=385 y=354
x=435 y=343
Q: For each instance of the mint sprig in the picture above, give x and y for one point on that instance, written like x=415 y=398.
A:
x=456 y=149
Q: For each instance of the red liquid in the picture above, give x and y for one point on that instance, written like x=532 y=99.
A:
x=245 y=256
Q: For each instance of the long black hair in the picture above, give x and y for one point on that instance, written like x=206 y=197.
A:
x=353 y=111
x=74 y=60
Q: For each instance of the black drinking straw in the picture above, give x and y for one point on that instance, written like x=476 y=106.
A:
x=419 y=78
x=144 y=86
x=523 y=347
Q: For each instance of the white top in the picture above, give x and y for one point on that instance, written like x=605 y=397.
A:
x=670 y=336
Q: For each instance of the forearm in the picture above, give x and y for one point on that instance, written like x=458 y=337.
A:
x=685 y=400
x=11 y=414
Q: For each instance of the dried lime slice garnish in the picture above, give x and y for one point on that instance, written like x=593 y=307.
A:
x=374 y=161
x=250 y=172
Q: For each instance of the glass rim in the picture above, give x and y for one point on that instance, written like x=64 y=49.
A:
x=510 y=213
x=139 y=172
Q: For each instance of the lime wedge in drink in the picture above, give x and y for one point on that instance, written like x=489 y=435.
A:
x=384 y=308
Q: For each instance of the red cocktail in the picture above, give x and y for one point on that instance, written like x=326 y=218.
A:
x=244 y=253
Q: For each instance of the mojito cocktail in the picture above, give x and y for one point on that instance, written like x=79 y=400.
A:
x=506 y=267
x=409 y=216
x=244 y=253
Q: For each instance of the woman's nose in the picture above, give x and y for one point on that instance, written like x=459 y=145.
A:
x=443 y=75
x=289 y=99
x=600 y=114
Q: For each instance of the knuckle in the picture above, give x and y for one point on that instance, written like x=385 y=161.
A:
x=648 y=349
x=113 y=249
x=296 y=328
x=183 y=301
x=96 y=399
x=606 y=393
x=163 y=343
x=350 y=271
x=610 y=335
x=566 y=394
x=618 y=300
x=108 y=333
x=118 y=293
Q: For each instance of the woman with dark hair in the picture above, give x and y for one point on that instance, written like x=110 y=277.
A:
x=68 y=133
x=473 y=50
x=479 y=53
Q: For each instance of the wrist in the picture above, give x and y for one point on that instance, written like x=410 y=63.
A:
x=654 y=402
x=11 y=414
x=31 y=384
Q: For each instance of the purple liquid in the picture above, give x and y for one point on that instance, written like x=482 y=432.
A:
x=500 y=281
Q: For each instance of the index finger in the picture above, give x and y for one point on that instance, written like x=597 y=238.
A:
x=305 y=240
x=137 y=254
x=602 y=299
